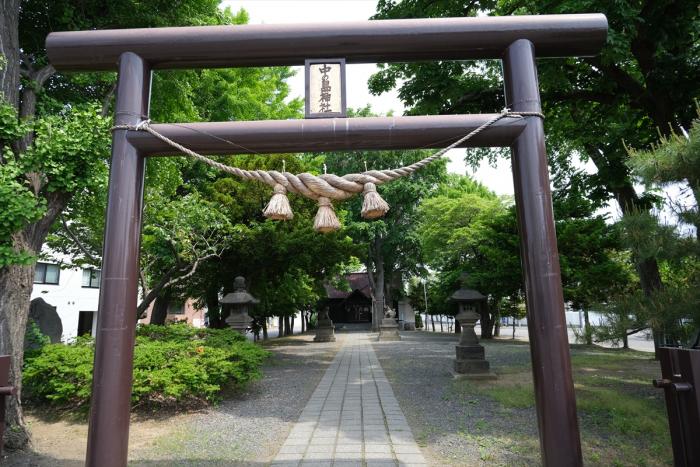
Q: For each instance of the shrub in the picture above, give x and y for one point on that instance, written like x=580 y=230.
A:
x=174 y=366
x=34 y=339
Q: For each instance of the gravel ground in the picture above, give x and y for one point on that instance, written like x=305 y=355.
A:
x=452 y=423
x=247 y=428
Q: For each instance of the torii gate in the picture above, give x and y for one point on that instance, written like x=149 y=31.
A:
x=516 y=40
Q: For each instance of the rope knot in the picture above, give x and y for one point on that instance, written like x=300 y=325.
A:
x=373 y=205
x=142 y=125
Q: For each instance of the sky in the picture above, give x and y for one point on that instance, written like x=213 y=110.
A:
x=498 y=179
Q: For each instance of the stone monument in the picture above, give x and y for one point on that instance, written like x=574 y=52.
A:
x=389 y=329
x=325 y=331
x=239 y=302
x=471 y=361
x=408 y=315
x=46 y=318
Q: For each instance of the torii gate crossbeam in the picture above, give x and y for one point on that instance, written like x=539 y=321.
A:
x=515 y=40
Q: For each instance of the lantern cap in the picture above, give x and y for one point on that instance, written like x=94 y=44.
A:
x=240 y=295
x=465 y=294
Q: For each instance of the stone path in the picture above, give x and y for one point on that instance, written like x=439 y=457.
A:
x=352 y=418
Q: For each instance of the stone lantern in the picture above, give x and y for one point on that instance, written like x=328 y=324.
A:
x=470 y=361
x=389 y=329
x=239 y=302
x=325 y=331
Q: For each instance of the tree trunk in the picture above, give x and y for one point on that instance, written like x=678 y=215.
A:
x=16 y=285
x=625 y=341
x=378 y=259
x=160 y=308
x=264 y=328
x=16 y=281
x=486 y=323
x=587 y=328
x=213 y=309
x=302 y=319
x=291 y=325
x=280 y=327
x=441 y=328
x=497 y=325
x=9 y=52
x=286 y=326
x=513 y=328
x=432 y=321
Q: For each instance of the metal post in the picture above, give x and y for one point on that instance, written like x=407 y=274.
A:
x=549 y=347
x=108 y=435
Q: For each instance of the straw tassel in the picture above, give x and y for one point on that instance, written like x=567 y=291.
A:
x=373 y=205
x=278 y=208
x=326 y=220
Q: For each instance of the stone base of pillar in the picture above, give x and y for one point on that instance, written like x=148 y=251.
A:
x=470 y=363
x=389 y=330
x=409 y=326
x=325 y=332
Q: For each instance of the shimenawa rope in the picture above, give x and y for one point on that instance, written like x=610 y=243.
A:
x=326 y=187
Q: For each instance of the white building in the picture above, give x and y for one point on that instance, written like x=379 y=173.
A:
x=73 y=291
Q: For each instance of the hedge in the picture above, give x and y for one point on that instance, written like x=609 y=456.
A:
x=174 y=366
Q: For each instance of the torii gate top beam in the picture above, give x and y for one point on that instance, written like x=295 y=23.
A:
x=359 y=42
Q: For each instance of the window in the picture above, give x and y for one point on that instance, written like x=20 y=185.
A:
x=46 y=273
x=176 y=308
x=91 y=278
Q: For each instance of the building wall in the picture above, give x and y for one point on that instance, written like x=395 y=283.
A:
x=70 y=298
x=192 y=316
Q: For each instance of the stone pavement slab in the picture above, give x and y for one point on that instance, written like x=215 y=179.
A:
x=352 y=418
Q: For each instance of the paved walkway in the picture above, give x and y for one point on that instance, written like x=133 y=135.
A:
x=352 y=418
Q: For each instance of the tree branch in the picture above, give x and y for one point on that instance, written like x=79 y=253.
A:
x=168 y=281
x=78 y=243
x=107 y=99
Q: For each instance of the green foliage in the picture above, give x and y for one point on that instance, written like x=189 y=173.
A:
x=674 y=160
x=466 y=228
x=34 y=339
x=672 y=311
x=19 y=208
x=174 y=366
x=68 y=150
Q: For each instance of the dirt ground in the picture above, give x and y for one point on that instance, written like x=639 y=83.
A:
x=62 y=443
x=246 y=428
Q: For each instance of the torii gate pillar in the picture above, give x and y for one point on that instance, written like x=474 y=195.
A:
x=549 y=345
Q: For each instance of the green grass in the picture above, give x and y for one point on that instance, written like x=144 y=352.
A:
x=622 y=417
x=513 y=397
